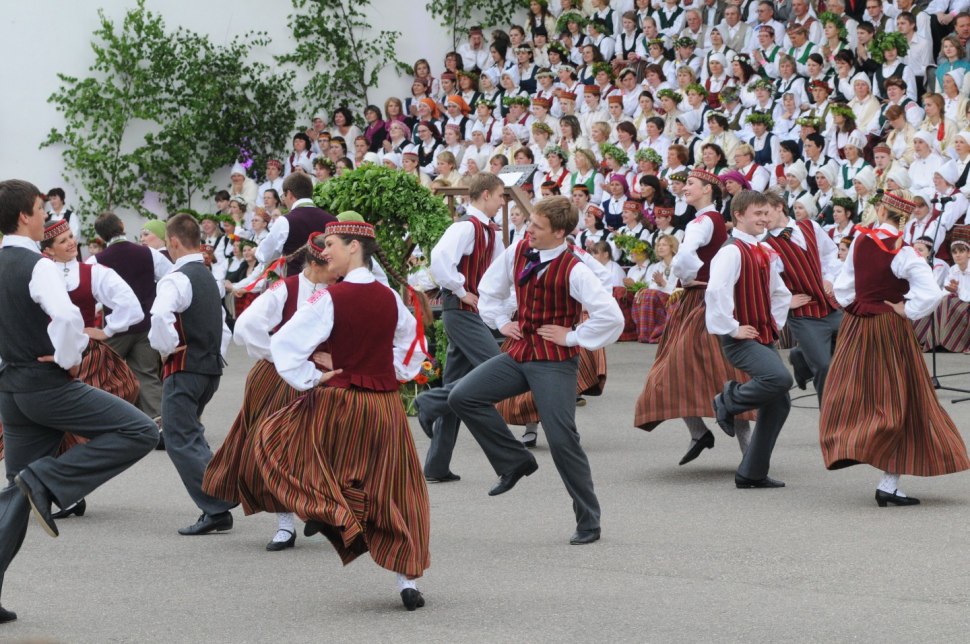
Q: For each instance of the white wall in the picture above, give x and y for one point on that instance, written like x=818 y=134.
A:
x=45 y=37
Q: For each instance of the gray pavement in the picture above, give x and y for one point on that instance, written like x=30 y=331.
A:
x=685 y=557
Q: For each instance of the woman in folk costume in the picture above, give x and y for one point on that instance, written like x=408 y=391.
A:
x=341 y=456
x=926 y=161
x=89 y=285
x=690 y=368
x=952 y=319
x=942 y=129
x=854 y=163
x=954 y=100
x=651 y=303
x=879 y=406
x=266 y=392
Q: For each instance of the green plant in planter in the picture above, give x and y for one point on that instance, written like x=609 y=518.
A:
x=403 y=211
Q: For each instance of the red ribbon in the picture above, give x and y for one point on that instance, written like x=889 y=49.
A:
x=276 y=265
x=873 y=234
x=419 y=338
x=940 y=130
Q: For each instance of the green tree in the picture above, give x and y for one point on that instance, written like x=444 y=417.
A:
x=336 y=44
x=458 y=15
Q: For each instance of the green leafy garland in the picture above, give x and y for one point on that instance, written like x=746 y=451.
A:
x=884 y=40
x=610 y=150
x=562 y=25
x=830 y=17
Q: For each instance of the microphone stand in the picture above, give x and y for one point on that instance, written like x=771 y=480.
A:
x=935 y=379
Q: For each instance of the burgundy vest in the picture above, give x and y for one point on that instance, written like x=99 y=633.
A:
x=364 y=321
x=707 y=253
x=135 y=265
x=544 y=300
x=752 y=292
x=83 y=297
x=875 y=282
x=474 y=265
x=803 y=271
x=303 y=221
x=292 y=285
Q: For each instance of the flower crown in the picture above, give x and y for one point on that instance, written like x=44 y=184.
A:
x=762 y=83
x=487 y=102
x=562 y=25
x=559 y=48
x=760 y=117
x=610 y=150
x=810 y=121
x=603 y=67
x=884 y=40
x=509 y=101
x=843 y=110
x=830 y=17
x=671 y=94
x=696 y=87
x=558 y=151
x=685 y=41
x=648 y=154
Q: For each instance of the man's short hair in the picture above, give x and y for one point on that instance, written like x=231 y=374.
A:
x=560 y=211
x=222 y=195
x=184 y=228
x=745 y=199
x=774 y=199
x=108 y=226
x=56 y=192
x=865 y=26
x=817 y=139
x=299 y=185
x=16 y=197
x=482 y=182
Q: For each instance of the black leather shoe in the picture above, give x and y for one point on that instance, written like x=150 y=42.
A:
x=78 y=508
x=209 y=523
x=39 y=498
x=704 y=442
x=276 y=546
x=885 y=498
x=582 y=537
x=746 y=483
x=412 y=598
x=508 y=481
x=724 y=418
x=529 y=438
x=580 y=402
x=800 y=368
x=447 y=478
x=312 y=527
x=7 y=615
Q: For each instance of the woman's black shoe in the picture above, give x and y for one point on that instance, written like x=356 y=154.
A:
x=7 y=615
x=78 y=508
x=885 y=498
x=412 y=598
x=276 y=546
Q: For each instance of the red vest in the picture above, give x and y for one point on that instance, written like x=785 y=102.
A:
x=474 y=265
x=874 y=279
x=803 y=271
x=752 y=292
x=83 y=296
x=544 y=300
x=362 y=340
x=707 y=253
x=292 y=285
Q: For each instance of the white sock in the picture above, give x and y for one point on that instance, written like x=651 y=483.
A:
x=889 y=483
x=696 y=427
x=532 y=428
x=742 y=429
x=285 y=526
x=403 y=582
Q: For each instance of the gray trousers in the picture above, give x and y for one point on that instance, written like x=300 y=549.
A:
x=185 y=397
x=34 y=424
x=553 y=386
x=767 y=391
x=470 y=343
x=815 y=338
x=138 y=354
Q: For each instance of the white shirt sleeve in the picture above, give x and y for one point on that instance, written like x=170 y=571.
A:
x=114 y=293
x=66 y=328
x=780 y=295
x=719 y=297
x=173 y=295
x=253 y=326
x=163 y=266
x=924 y=293
x=605 y=323
x=458 y=241
x=686 y=263
x=404 y=335
x=828 y=253
x=495 y=303
x=272 y=247
x=292 y=346
x=593 y=264
x=844 y=285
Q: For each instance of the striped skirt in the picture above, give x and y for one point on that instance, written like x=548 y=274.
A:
x=345 y=458
x=624 y=298
x=952 y=320
x=879 y=406
x=689 y=370
x=590 y=381
x=103 y=369
x=650 y=314
x=265 y=394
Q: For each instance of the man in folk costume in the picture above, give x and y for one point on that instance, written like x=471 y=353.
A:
x=42 y=340
x=552 y=288
x=188 y=330
x=802 y=17
x=883 y=285
x=815 y=158
x=756 y=174
x=458 y=262
x=695 y=30
x=670 y=19
x=690 y=367
x=737 y=33
x=764 y=58
x=214 y=236
x=746 y=305
x=141 y=269
x=811 y=261
x=474 y=53
x=290 y=231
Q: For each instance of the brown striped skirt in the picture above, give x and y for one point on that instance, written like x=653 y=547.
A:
x=265 y=394
x=103 y=369
x=879 y=406
x=952 y=320
x=650 y=314
x=346 y=458
x=689 y=370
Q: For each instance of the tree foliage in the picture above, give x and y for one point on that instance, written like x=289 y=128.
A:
x=458 y=15
x=403 y=211
x=336 y=44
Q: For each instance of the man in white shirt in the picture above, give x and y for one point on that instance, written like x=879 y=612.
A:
x=474 y=53
x=274 y=181
x=737 y=33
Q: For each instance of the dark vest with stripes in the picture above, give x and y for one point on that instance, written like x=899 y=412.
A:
x=303 y=221
x=83 y=297
x=544 y=299
x=473 y=265
x=875 y=282
x=752 y=292
x=135 y=265
x=362 y=340
x=23 y=328
x=763 y=156
x=199 y=327
x=803 y=271
x=706 y=253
